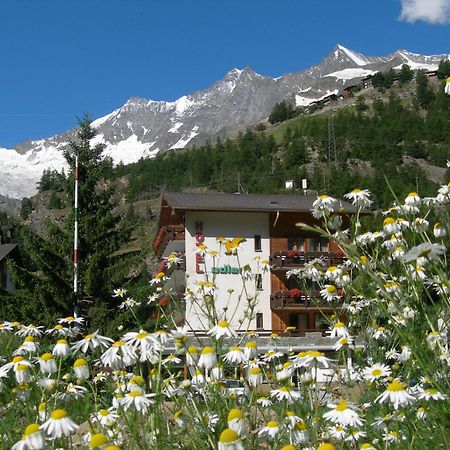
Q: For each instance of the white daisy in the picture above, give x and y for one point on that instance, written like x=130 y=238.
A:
x=59 y=424
x=376 y=371
x=229 y=440
x=397 y=394
x=285 y=393
x=342 y=414
x=271 y=429
x=137 y=400
x=222 y=329
x=359 y=197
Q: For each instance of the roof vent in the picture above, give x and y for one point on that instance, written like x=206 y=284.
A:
x=274 y=203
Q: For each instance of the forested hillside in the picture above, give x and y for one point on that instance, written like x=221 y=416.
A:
x=362 y=145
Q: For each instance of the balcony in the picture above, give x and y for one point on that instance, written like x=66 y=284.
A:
x=294 y=260
x=285 y=300
x=166 y=235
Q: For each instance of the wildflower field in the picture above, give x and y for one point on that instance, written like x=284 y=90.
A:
x=387 y=384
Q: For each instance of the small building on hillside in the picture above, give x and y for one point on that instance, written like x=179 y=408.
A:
x=7 y=251
x=273 y=245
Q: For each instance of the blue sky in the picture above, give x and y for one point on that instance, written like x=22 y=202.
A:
x=59 y=59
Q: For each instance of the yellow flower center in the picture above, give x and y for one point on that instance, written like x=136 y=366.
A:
x=272 y=424
x=70 y=318
x=376 y=372
x=389 y=221
x=251 y=344
x=331 y=289
x=104 y=412
x=396 y=386
x=228 y=436
x=80 y=362
x=98 y=440
x=42 y=407
x=142 y=335
x=29 y=339
x=17 y=359
x=134 y=394
x=61 y=342
x=235 y=414
x=341 y=406
x=137 y=380
x=301 y=425
x=207 y=351
x=223 y=324
x=339 y=325
x=288 y=447
x=366 y=445
x=46 y=357
x=326 y=446
x=118 y=344
x=32 y=428
x=314 y=354
x=236 y=349
x=255 y=371
x=58 y=414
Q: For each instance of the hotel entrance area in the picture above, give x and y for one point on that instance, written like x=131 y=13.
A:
x=302 y=321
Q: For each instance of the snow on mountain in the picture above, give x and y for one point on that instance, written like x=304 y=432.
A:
x=305 y=101
x=350 y=74
x=143 y=128
x=357 y=58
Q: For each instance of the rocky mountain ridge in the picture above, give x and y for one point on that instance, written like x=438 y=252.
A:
x=143 y=128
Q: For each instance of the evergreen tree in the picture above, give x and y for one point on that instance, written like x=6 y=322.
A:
x=406 y=74
x=424 y=92
x=444 y=69
x=26 y=208
x=281 y=112
x=378 y=80
x=45 y=277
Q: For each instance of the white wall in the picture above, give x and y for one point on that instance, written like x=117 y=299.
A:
x=228 y=225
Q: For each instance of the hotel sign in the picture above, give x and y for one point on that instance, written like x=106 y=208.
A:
x=199 y=240
x=226 y=269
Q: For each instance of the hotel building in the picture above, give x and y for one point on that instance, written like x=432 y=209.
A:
x=268 y=223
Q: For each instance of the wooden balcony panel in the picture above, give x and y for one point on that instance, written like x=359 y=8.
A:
x=284 y=300
x=288 y=260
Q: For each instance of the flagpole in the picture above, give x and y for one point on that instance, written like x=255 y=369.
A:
x=75 y=239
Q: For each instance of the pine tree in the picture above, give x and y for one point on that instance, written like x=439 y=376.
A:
x=100 y=233
x=406 y=74
x=45 y=277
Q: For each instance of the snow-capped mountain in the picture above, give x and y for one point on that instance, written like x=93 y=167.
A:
x=144 y=128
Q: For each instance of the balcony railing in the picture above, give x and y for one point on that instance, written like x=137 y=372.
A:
x=284 y=299
x=167 y=234
x=291 y=260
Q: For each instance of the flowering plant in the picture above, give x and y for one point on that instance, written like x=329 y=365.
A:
x=384 y=385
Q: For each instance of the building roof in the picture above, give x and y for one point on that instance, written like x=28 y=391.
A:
x=195 y=201
x=6 y=249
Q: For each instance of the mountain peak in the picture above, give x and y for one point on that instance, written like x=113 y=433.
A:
x=357 y=58
x=238 y=73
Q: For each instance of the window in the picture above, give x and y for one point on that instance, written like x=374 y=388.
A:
x=322 y=322
x=296 y=244
x=259 y=321
x=299 y=321
x=318 y=245
x=257 y=239
x=258 y=282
